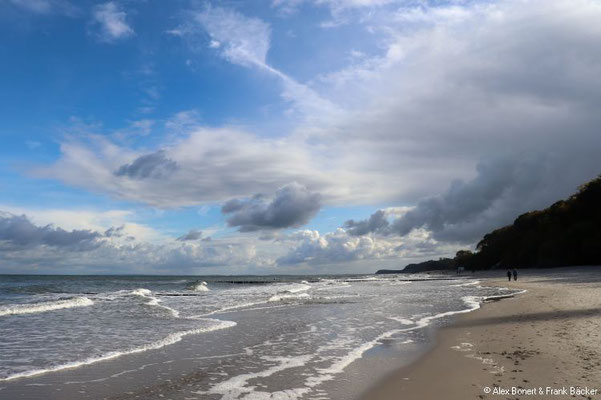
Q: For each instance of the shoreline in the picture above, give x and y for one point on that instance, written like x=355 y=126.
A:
x=547 y=337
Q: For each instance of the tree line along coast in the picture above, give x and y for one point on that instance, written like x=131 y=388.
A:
x=568 y=233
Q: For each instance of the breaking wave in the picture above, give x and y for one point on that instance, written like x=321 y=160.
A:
x=17 y=309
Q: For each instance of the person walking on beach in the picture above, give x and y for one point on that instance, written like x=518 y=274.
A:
x=508 y=274
x=515 y=275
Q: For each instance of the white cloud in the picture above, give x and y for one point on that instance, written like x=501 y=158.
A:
x=213 y=165
x=245 y=40
x=336 y=250
x=111 y=22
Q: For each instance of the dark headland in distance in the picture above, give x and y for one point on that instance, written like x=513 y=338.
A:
x=568 y=233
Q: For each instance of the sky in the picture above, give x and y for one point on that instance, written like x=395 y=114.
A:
x=285 y=136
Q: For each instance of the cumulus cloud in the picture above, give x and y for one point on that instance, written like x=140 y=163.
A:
x=111 y=22
x=153 y=165
x=375 y=223
x=341 y=249
x=29 y=247
x=293 y=205
x=19 y=232
x=336 y=247
x=191 y=235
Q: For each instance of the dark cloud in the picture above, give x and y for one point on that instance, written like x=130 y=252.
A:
x=19 y=232
x=376 y=222
x=192 y=235
x=153 y=165
x=292 y=206
x=502 y=189
x=114 y=231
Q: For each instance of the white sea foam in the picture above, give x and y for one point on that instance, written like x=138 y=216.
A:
x=404 y=321
x=470 y=283
x=365 y=279
x=236 y=386
x=285 y=297
x=342 y=362
x=168 y=340
x=153 y=301
x=200 y=287
x=303 y=287
x=472 y=302
x=399 y=283
x=17 y=309
x=141 y=292
x=235 y=307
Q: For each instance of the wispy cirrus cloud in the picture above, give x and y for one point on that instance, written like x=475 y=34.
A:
x=111 y=22
x=245 y=41
x=239 y=39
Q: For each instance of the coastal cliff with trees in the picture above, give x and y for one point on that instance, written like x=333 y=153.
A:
x=567 y=233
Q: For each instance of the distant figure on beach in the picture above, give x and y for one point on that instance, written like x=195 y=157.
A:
x=508 y=274
x=515 y=275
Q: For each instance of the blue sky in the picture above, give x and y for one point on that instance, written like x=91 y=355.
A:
x=298 y=136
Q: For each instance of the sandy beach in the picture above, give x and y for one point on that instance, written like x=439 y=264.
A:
x=542 y=344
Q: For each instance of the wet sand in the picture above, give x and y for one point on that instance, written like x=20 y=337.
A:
x=547 y=338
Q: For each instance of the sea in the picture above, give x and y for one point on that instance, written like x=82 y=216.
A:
x=219 y=337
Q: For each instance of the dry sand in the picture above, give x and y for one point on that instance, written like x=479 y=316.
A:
x=546 y=337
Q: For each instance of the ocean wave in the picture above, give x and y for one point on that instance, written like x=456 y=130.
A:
x=302 y=287
x=168 y=340
x=199 y=287
x=288 y=297
x=153 y=301
x=399 y=283
x=234 y=307
x=18 y=309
